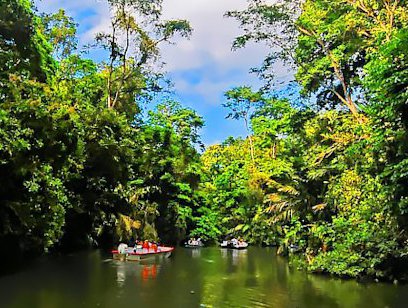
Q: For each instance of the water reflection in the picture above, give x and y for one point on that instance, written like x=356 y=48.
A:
x=149 y=272
x=121 y=274
x=238 y=256
x=224 y=253
x=195 y=252
x=209 y=277
x=135 y=271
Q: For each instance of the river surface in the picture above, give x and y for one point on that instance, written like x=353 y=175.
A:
x=207 y=277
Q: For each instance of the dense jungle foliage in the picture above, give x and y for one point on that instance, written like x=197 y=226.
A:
x=323 y=177
x=79 y=161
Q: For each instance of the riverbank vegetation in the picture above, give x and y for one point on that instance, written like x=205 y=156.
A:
x=323 y=176
x=78 y=158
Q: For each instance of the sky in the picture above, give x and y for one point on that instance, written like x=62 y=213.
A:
x=201 y=68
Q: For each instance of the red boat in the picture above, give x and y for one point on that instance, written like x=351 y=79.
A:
x=125 y=253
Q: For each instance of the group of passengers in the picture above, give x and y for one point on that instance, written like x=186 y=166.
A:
x=194 y=242
x=237 y=242
x=140 y=246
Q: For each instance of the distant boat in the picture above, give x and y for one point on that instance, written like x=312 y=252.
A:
x=234 y=244
x=125 y=253
x=192 y=243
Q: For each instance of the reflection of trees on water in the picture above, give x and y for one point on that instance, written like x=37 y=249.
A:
x=354 y=294
x=252 y=278
x=225 y=279
x=241 y=278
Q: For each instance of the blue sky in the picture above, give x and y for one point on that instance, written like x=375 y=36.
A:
x=201 y=68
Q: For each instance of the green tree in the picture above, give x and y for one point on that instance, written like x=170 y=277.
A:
x=241 y=102
x=135 y=34
x=23 y=46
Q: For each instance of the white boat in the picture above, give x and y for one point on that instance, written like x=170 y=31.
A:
x=194 y=243
x=225 y=244
x=125 y=253
x=240 y=245
x=234 y=244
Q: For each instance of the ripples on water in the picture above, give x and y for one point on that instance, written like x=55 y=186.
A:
x=207 y=277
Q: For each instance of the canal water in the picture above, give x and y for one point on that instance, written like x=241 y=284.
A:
x=207 y=277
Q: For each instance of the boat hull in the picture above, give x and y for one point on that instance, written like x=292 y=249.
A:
x=240 y=248
x=162 y=252
x=232 y=246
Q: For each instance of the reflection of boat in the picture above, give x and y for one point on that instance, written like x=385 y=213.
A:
x=234 y=244
x=238 y=255
x=195 y=253
x=239 y=245
x=193 y=243
x=136 y=272
x=149 y=272
x=125 y=253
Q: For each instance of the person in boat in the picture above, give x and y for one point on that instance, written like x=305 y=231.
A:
x=154 y=247
x=145 y=246
x=122 y=248
x=197 y=242
x=138 y=245
x=132 y=242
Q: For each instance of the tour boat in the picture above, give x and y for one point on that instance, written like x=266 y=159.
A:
x=234 y=244
x=241 y=245
x=193 y=244
x=125 y=253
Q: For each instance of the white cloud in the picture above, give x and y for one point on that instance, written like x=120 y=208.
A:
x=210 y=43
x=91 y=15
x=212 y=37
x=208 y=50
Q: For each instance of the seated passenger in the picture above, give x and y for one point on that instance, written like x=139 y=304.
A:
x=122 y=248
x=145 y=245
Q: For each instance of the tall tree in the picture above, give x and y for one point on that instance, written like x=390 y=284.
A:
x=23 y=46
x=327 y=41
x=241 y=102
x=60 y=30
x=135 y=34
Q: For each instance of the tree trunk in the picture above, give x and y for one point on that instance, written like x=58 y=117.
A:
x=251 y=144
